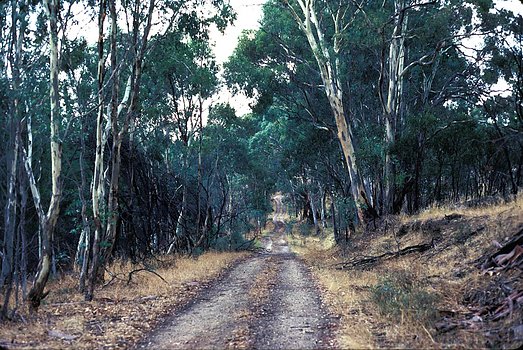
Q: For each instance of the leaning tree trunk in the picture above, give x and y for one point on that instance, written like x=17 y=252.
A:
x=327 y=58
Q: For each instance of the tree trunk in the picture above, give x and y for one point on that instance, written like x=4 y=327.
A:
x=116 y=150
x=334 y=224
x=396 y=63
x=327 y=58
x=22 y=232
x=18 y=26
x=84 y=247
x=314 y=214
x=323 y=198
x=10 y=212
x=98 y=178
x=132 y=110
x=48 y=221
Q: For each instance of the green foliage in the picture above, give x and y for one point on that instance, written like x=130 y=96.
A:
x=397 y=296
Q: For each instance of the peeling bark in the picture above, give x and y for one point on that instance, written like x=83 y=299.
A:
x=327 y=58
x=49 y=219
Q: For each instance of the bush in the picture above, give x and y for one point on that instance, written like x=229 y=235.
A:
x=397 y=294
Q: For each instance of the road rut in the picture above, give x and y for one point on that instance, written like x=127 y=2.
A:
x=290 y=316
x=294 y=317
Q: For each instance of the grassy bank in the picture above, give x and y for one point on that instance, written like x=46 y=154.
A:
x=437 y=298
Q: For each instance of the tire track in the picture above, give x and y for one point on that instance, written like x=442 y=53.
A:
x=294 y=317
x=209 y=321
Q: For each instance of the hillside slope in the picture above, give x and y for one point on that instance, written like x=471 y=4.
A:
x=448 y=277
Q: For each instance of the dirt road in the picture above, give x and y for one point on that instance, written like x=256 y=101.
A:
x=228 y=315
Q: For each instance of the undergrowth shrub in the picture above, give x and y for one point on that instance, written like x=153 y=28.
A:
x=234 y=242
x=303 y=228
x=398 y=295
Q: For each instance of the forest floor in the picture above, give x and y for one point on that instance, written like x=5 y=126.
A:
x=126 y=309
x=448 y=278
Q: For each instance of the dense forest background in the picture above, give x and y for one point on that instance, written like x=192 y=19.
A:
x=360 y=109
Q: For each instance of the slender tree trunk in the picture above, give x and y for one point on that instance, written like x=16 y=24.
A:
x=18 y=26
x=231 y=214
x=199 y=180
x=334 y=224
x=323 y=196
x=21 y=230
x=10 y=214
x=98 y=177
x=396 y=63
x=179 y=229
x=314 y=213
x=84 y=247
x=48 y=221
x=116 y=150
x=223 y=205
x=119 y=133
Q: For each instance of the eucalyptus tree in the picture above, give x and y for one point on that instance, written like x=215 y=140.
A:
x=326 y=47
x=504 y=109
x=191 y=17
x=276 y=66
x=47 y=220
x=398 y=65
x=181 y=79
x=19 y=20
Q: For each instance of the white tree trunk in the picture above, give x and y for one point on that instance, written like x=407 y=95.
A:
x=396 y=63
x=330 y=73
x=48 y=221
x=97 y=189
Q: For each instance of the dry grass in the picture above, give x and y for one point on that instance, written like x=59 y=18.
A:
x=122 y=312
x=439 y=281
x=486 y=210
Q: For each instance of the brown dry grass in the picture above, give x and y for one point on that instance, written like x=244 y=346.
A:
x=447 y=273
x=121 y=313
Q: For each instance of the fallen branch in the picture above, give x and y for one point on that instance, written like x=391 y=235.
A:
x=419 y=248
x=113 y=278
x=144 y=269
x=509 y=255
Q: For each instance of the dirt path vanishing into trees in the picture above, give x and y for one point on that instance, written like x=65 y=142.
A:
x=266 y=302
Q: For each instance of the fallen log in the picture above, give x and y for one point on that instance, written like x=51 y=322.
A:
x=418 y=248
